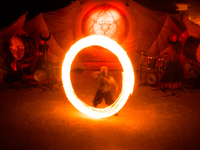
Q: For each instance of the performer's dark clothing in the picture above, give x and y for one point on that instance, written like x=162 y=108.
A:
x=104 y=90
x=99 y=97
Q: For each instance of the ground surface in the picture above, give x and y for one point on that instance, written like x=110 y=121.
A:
x=36 y=119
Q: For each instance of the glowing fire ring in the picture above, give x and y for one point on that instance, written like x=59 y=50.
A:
x=128 y=77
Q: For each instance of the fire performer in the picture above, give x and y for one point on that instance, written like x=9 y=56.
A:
x=105 y=83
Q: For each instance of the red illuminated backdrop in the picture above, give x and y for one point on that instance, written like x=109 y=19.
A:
x=106 y=19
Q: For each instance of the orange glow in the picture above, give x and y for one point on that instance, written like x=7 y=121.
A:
x=128 y=77
x=107 y=20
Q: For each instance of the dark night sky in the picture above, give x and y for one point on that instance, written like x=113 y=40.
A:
x=13 y=9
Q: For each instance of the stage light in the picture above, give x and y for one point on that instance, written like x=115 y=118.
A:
x=128 y=77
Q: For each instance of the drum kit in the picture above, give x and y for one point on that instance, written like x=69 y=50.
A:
x=24 y=52
x=154 y=68
x=157 y=69
x=151 y=77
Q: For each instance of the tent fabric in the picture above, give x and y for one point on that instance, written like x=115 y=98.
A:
x=15 y=28
x=142 y=18
x=61 y=25
x=147 y=30
x=65 y=23
x=168 y=28
x=36 y=27
x=192 y=28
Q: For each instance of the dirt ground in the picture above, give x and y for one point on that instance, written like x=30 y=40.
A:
x=38 y=119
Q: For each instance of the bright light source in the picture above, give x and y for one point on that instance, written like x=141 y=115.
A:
x=182 y=6
x=128 y=77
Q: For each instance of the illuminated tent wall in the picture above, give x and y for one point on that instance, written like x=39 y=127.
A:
x=136 y=27
x=133 y=26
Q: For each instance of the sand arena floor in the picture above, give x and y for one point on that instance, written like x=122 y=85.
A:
x=35 y=119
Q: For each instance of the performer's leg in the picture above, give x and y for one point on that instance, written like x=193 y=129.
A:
x=108 y=98
x=98 y=98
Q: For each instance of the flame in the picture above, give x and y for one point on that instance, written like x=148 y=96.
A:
x=128 y=77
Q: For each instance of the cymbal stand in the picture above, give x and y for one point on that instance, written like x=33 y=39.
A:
x=50 y=76
x=49 y=68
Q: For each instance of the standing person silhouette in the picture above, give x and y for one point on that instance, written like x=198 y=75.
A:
x=105 y=83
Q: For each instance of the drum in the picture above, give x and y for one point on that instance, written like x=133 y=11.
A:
x=22 y=47
x=39 y=75
x=191 y=49
x=151 y=63
x=152 y=79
